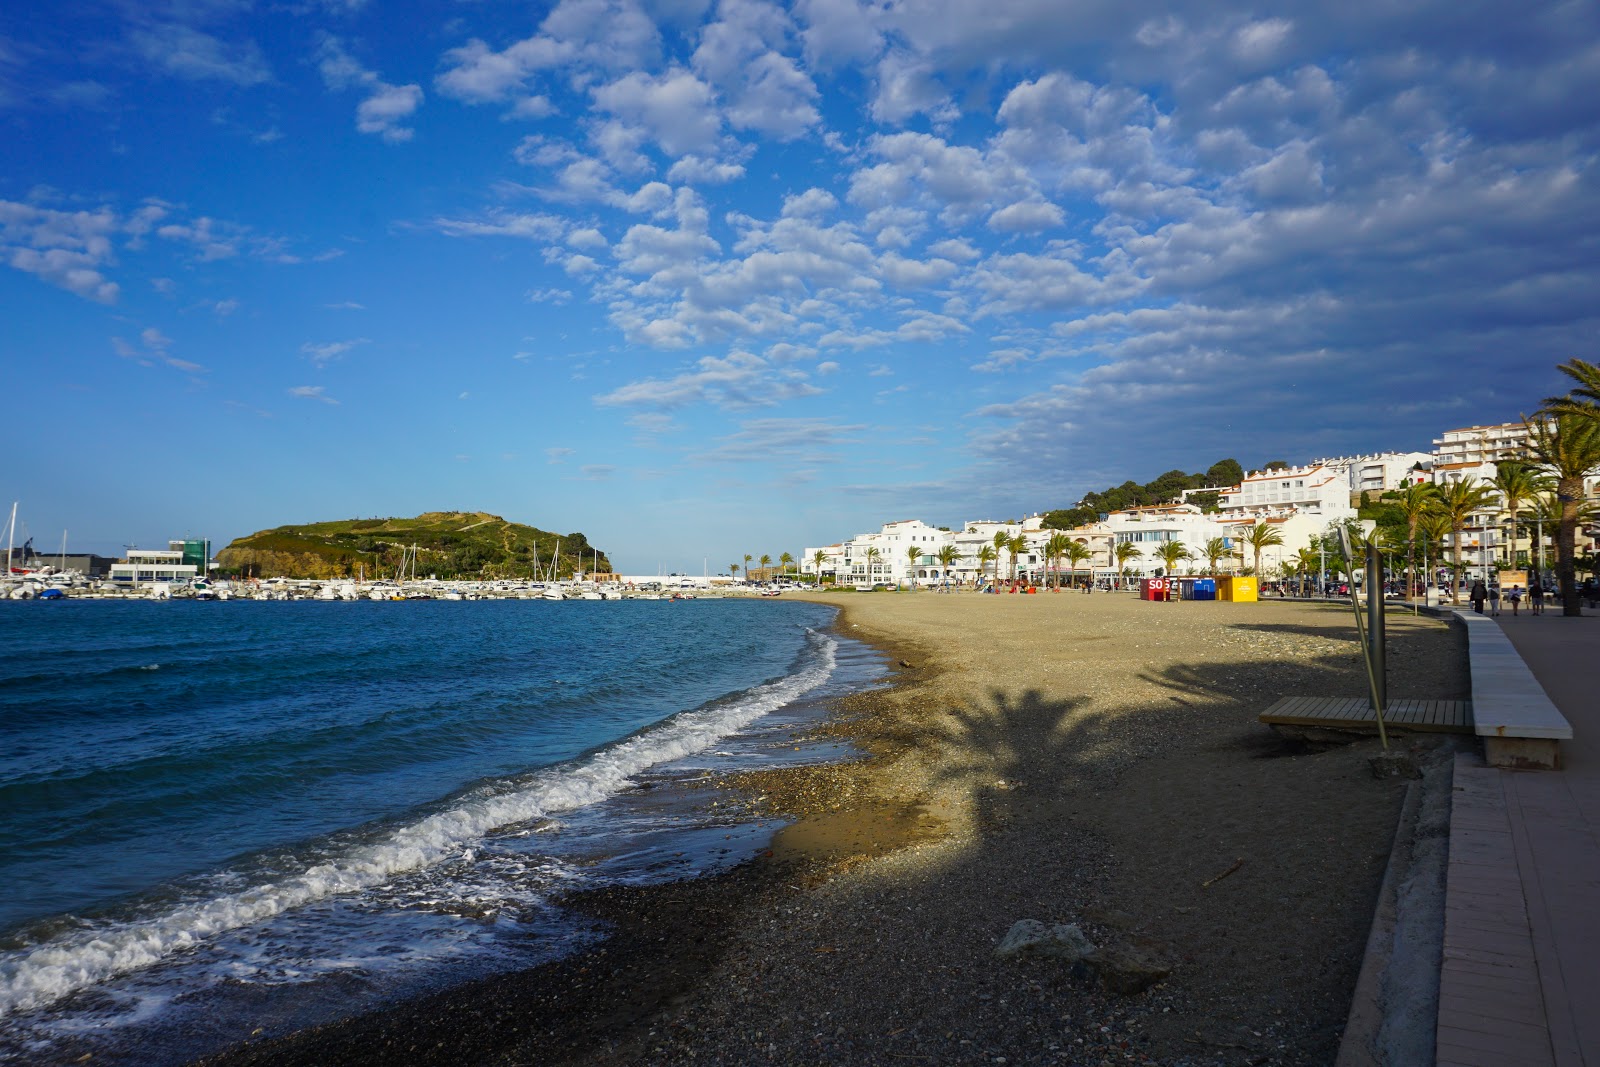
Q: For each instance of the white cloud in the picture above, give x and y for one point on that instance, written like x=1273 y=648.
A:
x=741 y=54
x=386 y=106
x=186 y=51
x=1027 y=216
x=739 y=381
x=559 y=455
x=326 y=352
x=676 y=110
x=532 y=227
x=311 y=392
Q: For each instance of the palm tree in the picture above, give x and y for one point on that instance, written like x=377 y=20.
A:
x=1054 y=549
x=1002 y=541
x=1310 y=562
x=1431 y=531
x=986 y=555
x=1584 y=399
x=873 y=555
x=1457 y=501
x=1077 y=552
x=733 y=569
x=1123 y=552
x=785 y=561
x=1171 y=553
x=1567 y=445
x=947 y=556
x=1215 y=549
x=818 y=558
x=913 y=557
x=765 y=561
x=1016 y=544
x=1416 y=499
x=1262 y=536
x=747 y=558
x=1517 y=483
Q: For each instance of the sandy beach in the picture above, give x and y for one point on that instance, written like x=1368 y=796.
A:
x=1072 y=759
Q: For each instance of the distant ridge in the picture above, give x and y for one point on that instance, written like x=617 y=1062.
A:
x=450 y=544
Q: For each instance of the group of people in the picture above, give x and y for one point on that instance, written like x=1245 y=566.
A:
x=1490 y=594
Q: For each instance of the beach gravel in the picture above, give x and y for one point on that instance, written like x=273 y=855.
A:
x=1074 y=760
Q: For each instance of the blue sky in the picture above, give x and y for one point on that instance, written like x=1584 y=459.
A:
x=701 y=279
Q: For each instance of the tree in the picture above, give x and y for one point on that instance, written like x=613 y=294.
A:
x=947 y=556
x=785 y=561
x=1310 y=562
x=1054 y=549
x=1171 y=553
x=733 y=569
x=1517 y=483
x=1458 y=501
x=1123 y=552
x=1584 y=399
x=747 y=558
x=1002 y=541
x=1262 y=536
x=1568 y=446
x=1016 y=544
x=1225 y=472
x=986 y=555
x=1275 y=465
x=1431 y=531
x=1077 y=552
x=1416 y=500
x=766 y=562
x=1215 y=549
x=873 y=555
x=818 y=558
x=913 y=557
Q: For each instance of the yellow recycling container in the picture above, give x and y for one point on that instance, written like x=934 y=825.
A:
x=1238 y=588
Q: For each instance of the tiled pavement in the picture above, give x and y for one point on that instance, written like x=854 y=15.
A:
x=1520 y=982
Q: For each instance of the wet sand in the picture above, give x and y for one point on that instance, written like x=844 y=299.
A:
x=1067 y=758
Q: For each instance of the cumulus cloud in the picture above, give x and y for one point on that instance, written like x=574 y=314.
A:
x=311 y=392
x=386 y=107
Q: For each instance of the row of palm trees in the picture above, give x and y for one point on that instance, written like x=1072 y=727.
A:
x=785 y=560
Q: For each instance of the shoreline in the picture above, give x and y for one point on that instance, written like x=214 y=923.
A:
x=1097 y=782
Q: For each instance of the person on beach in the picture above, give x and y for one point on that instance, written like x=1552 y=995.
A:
x=1536 y=598
x=1479 y=594
x=1515 y=596
x=1494 y=600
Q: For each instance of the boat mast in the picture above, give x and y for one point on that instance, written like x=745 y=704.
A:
x=62 y=563
x=11 y=536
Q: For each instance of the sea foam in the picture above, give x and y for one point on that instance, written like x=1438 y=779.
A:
x=37 y=976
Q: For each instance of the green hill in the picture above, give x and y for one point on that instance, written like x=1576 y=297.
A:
x=450 y=544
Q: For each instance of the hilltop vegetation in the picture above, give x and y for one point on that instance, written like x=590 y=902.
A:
x=450 y=544
x=1167 y=487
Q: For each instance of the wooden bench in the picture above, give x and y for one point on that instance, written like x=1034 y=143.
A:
x=1519 y=725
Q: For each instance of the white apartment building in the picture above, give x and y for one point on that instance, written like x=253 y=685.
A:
x=1381 y=471
x=854 y=562
x=1472 y=451
x=1314 y=488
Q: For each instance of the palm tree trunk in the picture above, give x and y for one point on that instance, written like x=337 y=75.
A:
x=1569 y=492
x=1455 y=573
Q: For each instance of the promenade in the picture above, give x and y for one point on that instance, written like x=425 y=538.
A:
x=1521 y=976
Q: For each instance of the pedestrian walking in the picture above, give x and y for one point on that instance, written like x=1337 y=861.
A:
x=1515 y=596
x=1494 y=600
x=1536 y=599
x=1478 y=596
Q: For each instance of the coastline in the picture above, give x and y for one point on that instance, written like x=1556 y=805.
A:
x=1056 y=757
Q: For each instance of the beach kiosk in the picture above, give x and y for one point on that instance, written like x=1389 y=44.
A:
x=1155 y=589
x=1239 y=588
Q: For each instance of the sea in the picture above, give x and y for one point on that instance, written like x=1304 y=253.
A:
x=222 y=820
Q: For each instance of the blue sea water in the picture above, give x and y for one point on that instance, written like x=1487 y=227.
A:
x=218 y=814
